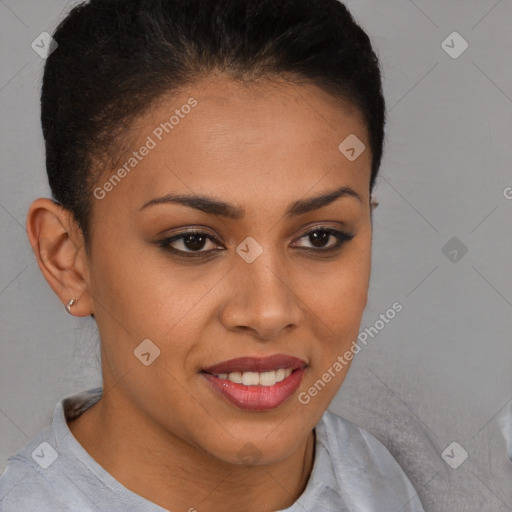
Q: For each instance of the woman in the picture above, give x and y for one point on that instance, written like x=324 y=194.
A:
x=211 y=166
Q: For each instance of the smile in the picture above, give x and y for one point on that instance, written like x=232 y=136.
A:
x=256 y=384
x=257 y=379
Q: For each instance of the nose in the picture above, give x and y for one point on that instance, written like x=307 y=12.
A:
x=262 y=298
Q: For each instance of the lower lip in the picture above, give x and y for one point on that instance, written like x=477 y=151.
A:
x=256 y=398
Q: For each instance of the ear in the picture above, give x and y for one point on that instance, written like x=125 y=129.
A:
x=59 y=247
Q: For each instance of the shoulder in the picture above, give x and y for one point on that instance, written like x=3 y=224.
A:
x=351 y=438
x=46 y=475
x=24 y=484
x=364 y=468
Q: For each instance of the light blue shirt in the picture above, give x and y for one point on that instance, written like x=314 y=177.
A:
x=352 y=472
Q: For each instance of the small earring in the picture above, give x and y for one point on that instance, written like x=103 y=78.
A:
x=69 y=304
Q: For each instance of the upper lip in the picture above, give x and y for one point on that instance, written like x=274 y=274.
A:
x=256 y=364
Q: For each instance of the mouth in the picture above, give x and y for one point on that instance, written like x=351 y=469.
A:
x=256 y=383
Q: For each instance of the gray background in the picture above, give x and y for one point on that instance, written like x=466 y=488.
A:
x=440 y=371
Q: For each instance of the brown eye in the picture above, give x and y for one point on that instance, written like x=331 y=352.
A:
x=188 y=243
x=319 y=238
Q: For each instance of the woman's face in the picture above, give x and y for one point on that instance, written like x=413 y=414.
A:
x=263 y=278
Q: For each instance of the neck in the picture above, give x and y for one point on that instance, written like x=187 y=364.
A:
x=176 y=475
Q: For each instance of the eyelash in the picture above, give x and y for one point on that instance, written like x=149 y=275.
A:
x=341 y=236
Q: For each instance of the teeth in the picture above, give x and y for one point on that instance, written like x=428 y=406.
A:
x=250 y=378
x=267 y=378
x=234 y=377
x=255 y=378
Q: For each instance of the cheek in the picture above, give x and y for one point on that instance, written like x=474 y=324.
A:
x=340 y=309
x=339 y=306
x=139 y=293
x=125 y=290
x=339 y=293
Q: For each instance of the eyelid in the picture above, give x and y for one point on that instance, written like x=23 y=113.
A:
x=190 y=229
x=323 y=226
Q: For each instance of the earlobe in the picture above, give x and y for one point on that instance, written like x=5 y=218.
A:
x=58 y=246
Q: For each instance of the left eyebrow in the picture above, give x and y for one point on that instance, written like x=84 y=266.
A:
x=314 y=203
x=214 y=206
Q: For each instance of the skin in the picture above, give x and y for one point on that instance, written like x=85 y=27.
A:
x=160 y=429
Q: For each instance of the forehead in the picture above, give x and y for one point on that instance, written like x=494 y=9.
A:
x=271 y=137
x=255 y=113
